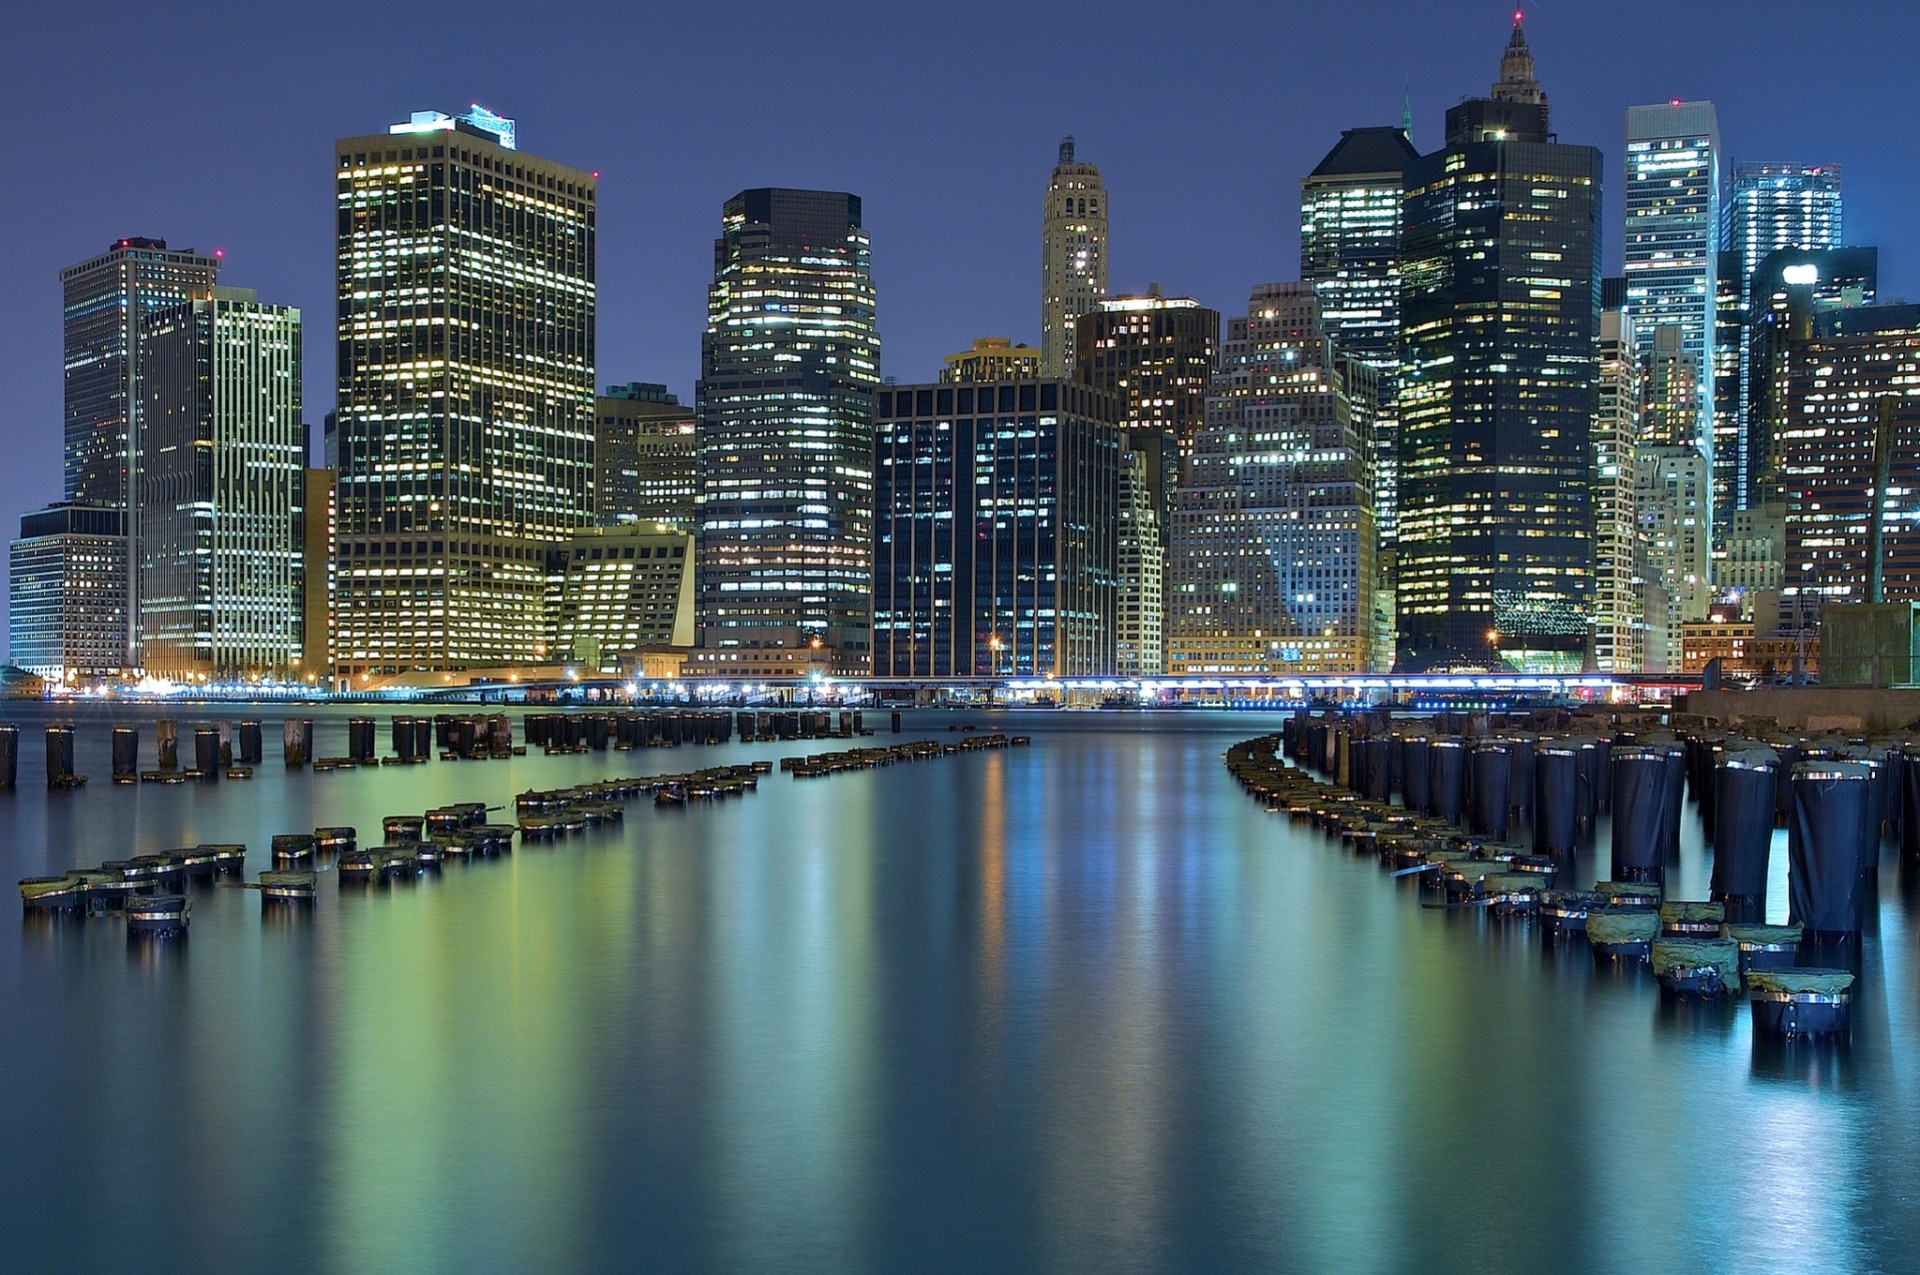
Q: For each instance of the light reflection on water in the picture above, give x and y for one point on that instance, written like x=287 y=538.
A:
x=1081 y=1007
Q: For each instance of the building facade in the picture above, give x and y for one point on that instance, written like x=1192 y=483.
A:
x=1271 y=570
x=995 y=532
x=1673 y=502
x=644 y=457
x=1670 y=249
x=1350 y=253
x=1852 y=404
x=105 y=303
x=319 y=523
x=789 y=365
x=623 y=591
x=1500 y=300
x=218 y=521
x=1073 y=258
x=466 y=299
x=1140 y=561
x=1619 y=623
x=992 y=358
x=67 y=593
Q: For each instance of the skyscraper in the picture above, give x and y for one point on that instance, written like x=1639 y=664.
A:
x=106 y=301
x=1672 y=240
x=1073 y=257
x=1271 y=565
x=219 y=503
x=643 y=457
x=994 y=533
x=67 y=592
x=1157 y=355
x=789 y=364
x=1350 y=253
x=466 y=304
x=1500 y=300
x=1772 y=206
x=1768 y=207
x=991 y=358
x=1619 y=626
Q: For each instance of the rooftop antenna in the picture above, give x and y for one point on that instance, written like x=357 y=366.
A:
x=1066 y=149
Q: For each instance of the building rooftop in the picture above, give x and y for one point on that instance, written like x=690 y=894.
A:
x=1367 y=150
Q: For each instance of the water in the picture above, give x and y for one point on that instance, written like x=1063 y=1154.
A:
x=1079 y=1007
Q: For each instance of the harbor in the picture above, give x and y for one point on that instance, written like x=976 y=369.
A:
x=721 y=1008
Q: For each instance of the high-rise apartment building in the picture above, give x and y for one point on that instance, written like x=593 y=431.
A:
x=789 y=364
x=105 y=302
x=1271 y=565
x=466 y=301
x=1140 y=565
x=1671 y=392
x=1619 y=624
x=1073 y=258
x=1500 y=301
x=222 y=481
x=67 y=592
x=644 y=457
x=1671 y=246
x=1350 y=253
x=995 y=530
x=992 y=358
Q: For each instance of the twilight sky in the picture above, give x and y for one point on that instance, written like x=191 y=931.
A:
x=210 y=125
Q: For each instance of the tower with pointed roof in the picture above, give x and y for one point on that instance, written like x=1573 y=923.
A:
x=1499 y=320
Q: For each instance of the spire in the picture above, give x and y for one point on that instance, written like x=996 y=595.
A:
x=1406 y=113
x=1066 y=149
x=1517 y=82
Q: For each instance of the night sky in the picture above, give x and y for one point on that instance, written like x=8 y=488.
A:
x=210 y=126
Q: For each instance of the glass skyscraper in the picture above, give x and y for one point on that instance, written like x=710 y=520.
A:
x=222 y=487
x=106 y=301
x=1350 y=253
x=466 y=300
x=995 y=530
x=789 y=364
x=1500 y=302
x=1672 y=240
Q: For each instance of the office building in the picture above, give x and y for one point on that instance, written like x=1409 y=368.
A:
x=1852 y=402
x=623 y=591
x=1157 y=355
x=1350 y=253
x=1729 y=390
x=644 y=457
x=1271 y=566
x=1500 y=300
x=105 y=302
x=1140 y=556
x=1619 y=623
x=992 y=358
x=789 y=364
x=1671 y=245
x=1767 y=207
x=1792 y=292
x=67 y=593
x=465 y=278
x=1673 y=501
x=995 y=530
x=218 y=510
x=1670 y=411
x=319 y=513
x=1073 y=258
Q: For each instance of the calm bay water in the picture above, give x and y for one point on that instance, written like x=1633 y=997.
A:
x=1079 y=1007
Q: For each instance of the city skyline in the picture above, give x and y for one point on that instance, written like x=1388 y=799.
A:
x=650 y=321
